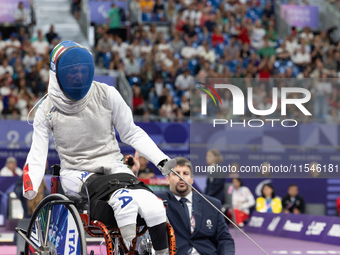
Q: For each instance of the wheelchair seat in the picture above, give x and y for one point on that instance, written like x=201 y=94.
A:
x=98 y=220
x=103 y=212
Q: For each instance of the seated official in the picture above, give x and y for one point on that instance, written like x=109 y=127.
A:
x=199 y=228
x=293 y=202
x=268 y=202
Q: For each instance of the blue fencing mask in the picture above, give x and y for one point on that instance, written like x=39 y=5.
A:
x=74 y=68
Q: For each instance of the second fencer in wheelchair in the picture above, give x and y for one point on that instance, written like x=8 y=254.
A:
x=82 y=115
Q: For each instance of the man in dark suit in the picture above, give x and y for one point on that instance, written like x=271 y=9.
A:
x=199 y=228
x=293 y=202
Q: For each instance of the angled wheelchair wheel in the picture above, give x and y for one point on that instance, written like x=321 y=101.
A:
x=56 y=223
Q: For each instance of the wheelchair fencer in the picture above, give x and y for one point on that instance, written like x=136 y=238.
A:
x=59 y=223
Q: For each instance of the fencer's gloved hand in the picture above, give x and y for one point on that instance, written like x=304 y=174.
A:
x=166 y=166
x=161 y=164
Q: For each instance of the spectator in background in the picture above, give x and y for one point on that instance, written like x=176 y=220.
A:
x=120 y=47
x=11 y=111
x=322 y=89
x=159 y=10
x=232 y=48
x=44 y=75
x=293 y=202
x=268 y=15
x=2 y=42
x=104 y=46
x=169 y=107
x=138 y=101
x=282 y=53
x=177 y=43
x=5 y=87
x=22 y=34
x=242 y=200
x=268 y=202
x=147 y=6
x=29 y=60
x=131 y=66
x=184 y=81
x=145 y=172
x=189 y=32
x=12 y=44
x=206 y=52
x=243 y=33
x=291 y=43
x=271 y=35
x=41 y=45
x=146 y=48
x=75 y=8
x=330 y=60
x=257 y=35
x=6 y=68
x=33 y=81
x=301 y=58
x=188 y=52
x=185 y=106
x=51 y=34
x=11 y=169
x=266 y=50
x=307 y=35
x=113 y=19
x=21 y=16
x=215 y=185
x=216 y=37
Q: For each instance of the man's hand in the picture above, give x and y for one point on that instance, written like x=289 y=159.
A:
x=136 y=165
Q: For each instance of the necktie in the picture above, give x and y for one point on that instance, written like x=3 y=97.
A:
x=183 y=201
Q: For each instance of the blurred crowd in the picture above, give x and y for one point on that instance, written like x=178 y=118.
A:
x=206 y=41
x=226 y=40
x=24 y=70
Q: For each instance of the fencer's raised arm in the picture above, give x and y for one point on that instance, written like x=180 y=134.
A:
x=130 y=133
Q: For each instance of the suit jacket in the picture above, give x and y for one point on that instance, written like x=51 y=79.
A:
x=299 y=203
x=215 y=188
x=211 y=235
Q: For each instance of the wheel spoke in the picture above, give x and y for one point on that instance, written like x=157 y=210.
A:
x=37 y=226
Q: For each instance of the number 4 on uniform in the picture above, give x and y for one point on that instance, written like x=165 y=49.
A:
x=126 y=199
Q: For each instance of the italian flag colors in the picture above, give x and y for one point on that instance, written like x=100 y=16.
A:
x=56 y=52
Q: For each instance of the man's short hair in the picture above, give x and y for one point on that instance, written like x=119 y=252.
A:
x=293 y=185
x=180 y=161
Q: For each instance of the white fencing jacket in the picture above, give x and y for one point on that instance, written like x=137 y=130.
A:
x=84 y=134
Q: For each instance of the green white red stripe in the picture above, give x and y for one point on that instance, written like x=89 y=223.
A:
x=56 y=52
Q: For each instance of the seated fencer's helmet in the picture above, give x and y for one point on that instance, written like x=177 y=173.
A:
x=74 y=69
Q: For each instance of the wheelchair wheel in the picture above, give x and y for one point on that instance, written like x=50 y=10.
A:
x=65 y=232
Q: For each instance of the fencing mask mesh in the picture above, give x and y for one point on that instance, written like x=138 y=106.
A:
x=74 y=67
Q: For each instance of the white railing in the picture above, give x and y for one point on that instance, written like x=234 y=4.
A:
x=84 y=19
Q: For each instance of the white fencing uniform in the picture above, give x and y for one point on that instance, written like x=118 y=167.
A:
x=84 y=134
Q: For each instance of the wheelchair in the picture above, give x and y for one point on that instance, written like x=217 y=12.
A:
x=59 y=223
